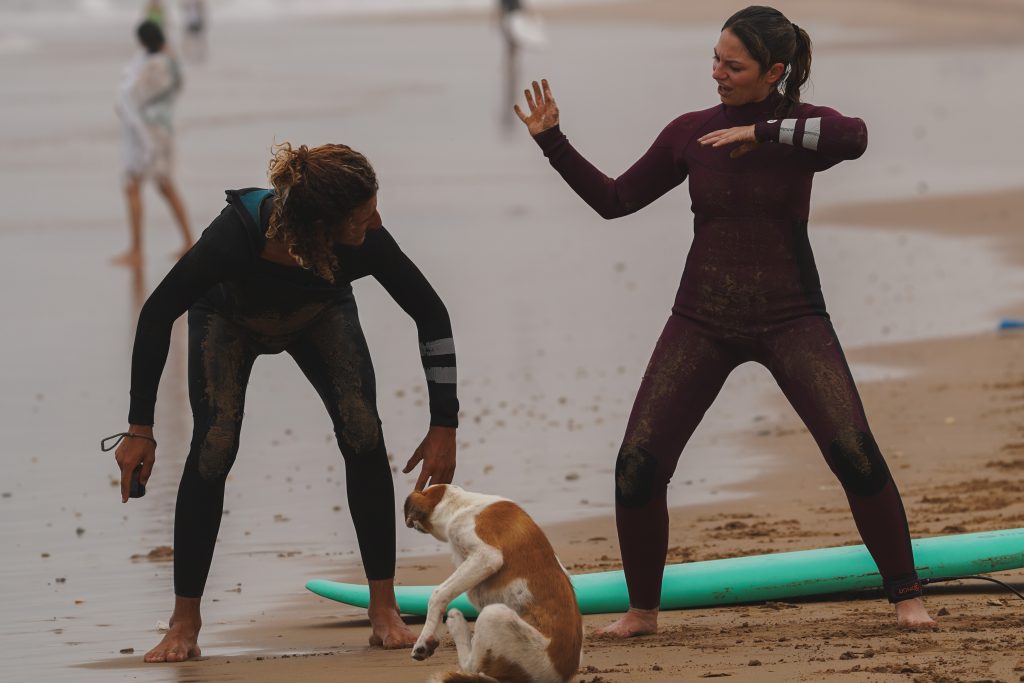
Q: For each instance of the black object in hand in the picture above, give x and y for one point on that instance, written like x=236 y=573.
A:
x=136 y=489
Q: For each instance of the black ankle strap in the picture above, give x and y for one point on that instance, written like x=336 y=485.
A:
x=903 y=588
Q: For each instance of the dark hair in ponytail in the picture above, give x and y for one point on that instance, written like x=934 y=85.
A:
x=771 y=38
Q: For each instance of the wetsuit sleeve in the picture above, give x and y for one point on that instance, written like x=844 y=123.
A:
x=414 y=294
x=825 y=131
x=222 y=253
x=654 y=174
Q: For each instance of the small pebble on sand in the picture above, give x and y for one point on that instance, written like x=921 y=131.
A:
x=754 y=662
x=127 y=650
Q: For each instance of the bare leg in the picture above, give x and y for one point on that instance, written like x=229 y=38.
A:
x=133 y=195
x=181 y=641
x=635 y=622
x=912 y=614
x=170 y=193
x=389 y=631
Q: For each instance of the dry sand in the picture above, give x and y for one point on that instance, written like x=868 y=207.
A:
x=947 y=418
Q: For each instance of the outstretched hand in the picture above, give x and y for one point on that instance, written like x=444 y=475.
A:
x=437 y=453
x=728 y=136
x=543 y=109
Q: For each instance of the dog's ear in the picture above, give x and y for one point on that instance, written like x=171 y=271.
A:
x=419 y=506
x=416 y=509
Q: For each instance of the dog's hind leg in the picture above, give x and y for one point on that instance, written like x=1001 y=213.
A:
x=505 y=644
x=459 y=630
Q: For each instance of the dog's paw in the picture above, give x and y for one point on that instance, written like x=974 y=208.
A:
x=423 y=649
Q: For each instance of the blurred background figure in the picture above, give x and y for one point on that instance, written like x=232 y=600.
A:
x=155 y=12
x=519 y=29
x=193 y=45
x=145 y=104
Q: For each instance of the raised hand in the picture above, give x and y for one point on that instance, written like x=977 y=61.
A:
x=729 y=136
x=543 y=110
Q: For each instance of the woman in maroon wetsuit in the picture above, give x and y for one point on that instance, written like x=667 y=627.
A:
x=749 y=292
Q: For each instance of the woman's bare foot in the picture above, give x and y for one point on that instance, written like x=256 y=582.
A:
x=389 y=631
x=387 y=628
x=181 y=641
x=912 y=614
x=635 y=622
x=131 y=257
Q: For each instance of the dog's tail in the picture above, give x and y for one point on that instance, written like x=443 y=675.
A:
x=462 y=677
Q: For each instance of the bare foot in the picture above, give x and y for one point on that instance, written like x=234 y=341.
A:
x=389 y=631
x=180 y=643
x=912 y=614
x=128 y=258
x=635 y=622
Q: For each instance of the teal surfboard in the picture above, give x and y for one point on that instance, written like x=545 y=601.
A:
x=749 y=579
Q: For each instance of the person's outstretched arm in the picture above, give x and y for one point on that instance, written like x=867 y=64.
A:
x=221 y=253
x=655 y=173
x=414 y=294
x=827 y=134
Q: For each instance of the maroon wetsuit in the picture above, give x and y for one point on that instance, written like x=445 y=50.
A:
x=749 y=292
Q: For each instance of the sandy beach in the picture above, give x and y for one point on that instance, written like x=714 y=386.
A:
x=555 y=313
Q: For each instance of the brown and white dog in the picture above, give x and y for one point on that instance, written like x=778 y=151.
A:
x=529 y=629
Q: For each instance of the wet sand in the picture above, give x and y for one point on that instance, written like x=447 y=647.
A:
x=556 y=313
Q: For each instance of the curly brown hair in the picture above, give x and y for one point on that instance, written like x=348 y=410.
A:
x=315 y=188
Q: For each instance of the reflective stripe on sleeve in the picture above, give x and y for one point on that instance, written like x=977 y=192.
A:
x=786 y=131
x=438 y=347
x=441 y=375
x=812 y=131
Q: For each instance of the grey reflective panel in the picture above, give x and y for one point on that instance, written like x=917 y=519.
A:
x=441 y=375
x=438 y=347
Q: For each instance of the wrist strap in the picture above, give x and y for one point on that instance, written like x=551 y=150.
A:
x=116 y=438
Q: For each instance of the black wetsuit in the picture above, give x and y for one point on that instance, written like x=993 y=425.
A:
x=241 y=306
x=749 y=292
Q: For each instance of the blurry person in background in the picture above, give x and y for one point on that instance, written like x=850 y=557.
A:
x=145 y=104
x=194 y=43
x=519 y=28
x=155 y=12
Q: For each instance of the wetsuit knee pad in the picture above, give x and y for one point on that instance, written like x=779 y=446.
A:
x=359 y=438
x=859 y=465
x=216 y=451
x=636 y=472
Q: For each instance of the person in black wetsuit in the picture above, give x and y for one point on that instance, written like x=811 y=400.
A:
x=273 y=273
x=749 y=292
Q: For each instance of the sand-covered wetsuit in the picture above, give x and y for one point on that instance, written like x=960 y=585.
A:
x=241 y=306
x=749 y=292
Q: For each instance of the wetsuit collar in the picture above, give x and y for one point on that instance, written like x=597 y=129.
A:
x=753 y=112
